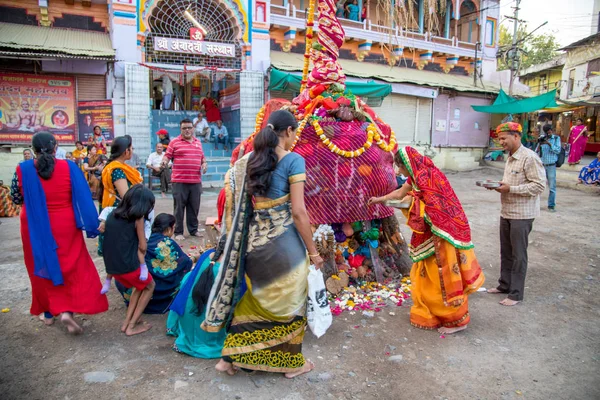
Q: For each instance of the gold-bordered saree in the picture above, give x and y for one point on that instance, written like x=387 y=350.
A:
x=265 y=255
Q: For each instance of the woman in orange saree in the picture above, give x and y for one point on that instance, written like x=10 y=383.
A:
x=445 y=270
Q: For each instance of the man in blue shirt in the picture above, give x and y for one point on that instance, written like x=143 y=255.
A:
x=549 y=149
x=221 y=135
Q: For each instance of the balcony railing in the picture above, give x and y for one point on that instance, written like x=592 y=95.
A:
x=291 y=16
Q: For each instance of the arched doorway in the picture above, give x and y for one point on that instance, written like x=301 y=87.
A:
x=176 y=18
x=467 y=27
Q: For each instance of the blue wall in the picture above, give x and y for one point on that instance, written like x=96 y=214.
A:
x=169 y=120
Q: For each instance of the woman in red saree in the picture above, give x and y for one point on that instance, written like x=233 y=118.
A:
x=445 y=270
x=57 y=206
x=577 y=139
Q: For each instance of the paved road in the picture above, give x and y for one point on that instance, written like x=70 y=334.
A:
x=546 y=348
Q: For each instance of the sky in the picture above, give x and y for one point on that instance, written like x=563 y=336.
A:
x=568 y=20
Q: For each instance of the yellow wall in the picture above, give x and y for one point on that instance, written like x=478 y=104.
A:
x=534 y=81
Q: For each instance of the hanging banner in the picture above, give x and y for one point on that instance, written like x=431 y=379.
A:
x=194 y=47
x=95 y=113
x=36 y=103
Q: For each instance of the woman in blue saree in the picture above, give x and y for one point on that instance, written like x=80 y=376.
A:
x=268 y=235
x=590 y=175
x=188 y=310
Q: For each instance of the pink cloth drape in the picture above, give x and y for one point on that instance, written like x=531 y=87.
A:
x=577 y=142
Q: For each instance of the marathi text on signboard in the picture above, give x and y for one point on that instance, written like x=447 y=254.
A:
x=92 y=114
x=194 y=47
x=36 y=103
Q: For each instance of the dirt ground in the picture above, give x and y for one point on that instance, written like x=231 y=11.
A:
x=545 y=348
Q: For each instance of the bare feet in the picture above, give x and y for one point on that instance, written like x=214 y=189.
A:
x=125 y=324
x=495 y=291
x=448 y=331
x=308 y=366
x=163 y=195
x=46 y=321
x=224 y=366
x=509 y=303
x=72 y=327
x=137 y=328
x=179 y=238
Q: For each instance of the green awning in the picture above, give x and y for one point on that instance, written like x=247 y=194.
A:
x=505 y=104
x=29 y=40
x=286 y=81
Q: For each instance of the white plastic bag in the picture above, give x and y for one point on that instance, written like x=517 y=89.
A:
x=318 y=312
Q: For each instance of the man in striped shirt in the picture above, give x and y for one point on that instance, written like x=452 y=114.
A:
x=189 y=163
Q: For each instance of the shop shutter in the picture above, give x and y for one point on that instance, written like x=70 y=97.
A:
x=399 y=111
x=91 y=87
x=282 y=94
x=424 y=125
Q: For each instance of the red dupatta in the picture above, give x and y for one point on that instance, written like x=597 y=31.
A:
x=435 y=210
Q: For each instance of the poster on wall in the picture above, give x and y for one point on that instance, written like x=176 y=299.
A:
x=454 y=126
x=95 y=113
x=36 y=103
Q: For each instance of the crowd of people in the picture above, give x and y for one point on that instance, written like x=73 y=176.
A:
x=229 y=306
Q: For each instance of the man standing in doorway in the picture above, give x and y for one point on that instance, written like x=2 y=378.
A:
x=154 y=164
x=189 y=163
x=201 y=127
x=549 y=149
x=523 y=182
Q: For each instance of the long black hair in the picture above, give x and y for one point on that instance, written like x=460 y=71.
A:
x=137 y=203
x=263 y=160
x=44 y=145
x=162 y=222
x=119 y=146
x=203 y=286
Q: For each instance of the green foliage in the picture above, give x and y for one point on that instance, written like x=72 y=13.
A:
x=537 y=49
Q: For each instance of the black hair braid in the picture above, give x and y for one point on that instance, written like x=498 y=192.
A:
x=44 y=145
x=264 y=159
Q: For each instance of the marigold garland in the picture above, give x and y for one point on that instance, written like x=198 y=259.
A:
x=310 y=21
x=259 y=120
x=372 y=134
x=299 y=131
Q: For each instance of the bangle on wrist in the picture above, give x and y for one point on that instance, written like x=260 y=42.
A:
x=313 y=255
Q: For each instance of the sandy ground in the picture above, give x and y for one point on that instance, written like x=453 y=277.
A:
x=545 y=348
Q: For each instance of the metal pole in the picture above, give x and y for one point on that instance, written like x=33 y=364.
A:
x=475 y=65
x=513 y=49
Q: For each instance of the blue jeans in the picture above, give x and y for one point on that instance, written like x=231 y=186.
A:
x=551 y=176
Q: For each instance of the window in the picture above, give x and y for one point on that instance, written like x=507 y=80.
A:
x=490 y=32
x=593 y=66
x=571 y=83
x=543 y=83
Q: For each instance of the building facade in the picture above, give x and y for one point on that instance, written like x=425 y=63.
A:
x=428 y=57
x=153 y=62
x=54 y=59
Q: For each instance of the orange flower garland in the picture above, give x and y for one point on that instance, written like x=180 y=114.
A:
x=299 y=131
x=372 y=134
x=259 y=120
x=310 y=22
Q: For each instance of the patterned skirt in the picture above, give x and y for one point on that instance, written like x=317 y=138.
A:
x=268 y=323
x=441 y=284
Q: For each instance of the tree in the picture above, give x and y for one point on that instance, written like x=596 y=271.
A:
x=537 y=49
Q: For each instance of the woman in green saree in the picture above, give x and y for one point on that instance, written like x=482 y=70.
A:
x=268 y=235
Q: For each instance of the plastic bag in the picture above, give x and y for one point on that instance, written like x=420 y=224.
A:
x=318 y=312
